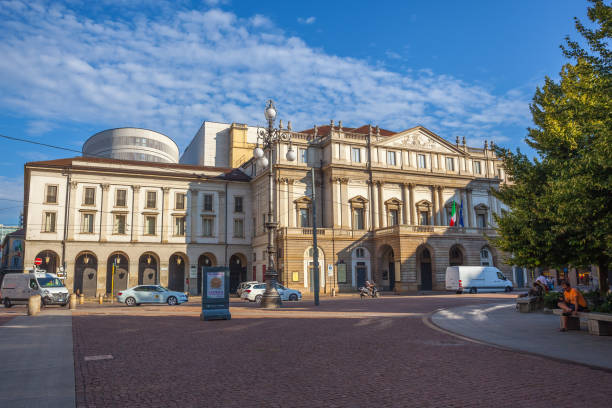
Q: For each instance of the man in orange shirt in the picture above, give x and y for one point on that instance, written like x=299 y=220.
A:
x=572 y=303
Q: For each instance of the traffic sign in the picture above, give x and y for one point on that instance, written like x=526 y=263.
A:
x=38 y=261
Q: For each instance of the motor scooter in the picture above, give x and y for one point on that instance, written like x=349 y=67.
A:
x=365 y=292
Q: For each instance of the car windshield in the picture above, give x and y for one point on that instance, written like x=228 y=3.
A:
x=162 y=289
x=50 y=283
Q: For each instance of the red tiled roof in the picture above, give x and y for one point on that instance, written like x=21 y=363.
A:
x=323 y=130
x=227 y=173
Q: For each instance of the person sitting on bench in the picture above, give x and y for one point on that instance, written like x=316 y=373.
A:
x=572 y=303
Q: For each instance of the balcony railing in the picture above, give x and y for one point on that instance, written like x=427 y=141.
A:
x=393 y=230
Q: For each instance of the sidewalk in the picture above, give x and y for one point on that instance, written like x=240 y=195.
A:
x=36 y=361
x=537 y=333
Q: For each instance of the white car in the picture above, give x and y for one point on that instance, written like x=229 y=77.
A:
x=254 y=293
x=243 y=285
x=151 y=294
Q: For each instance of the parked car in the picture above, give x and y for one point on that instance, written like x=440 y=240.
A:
x=18 y=287
x=476 y=279
x=151 y=294
x=254 y=293
x=243 y=285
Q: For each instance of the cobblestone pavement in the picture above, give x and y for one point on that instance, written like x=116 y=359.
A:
x=346 y=353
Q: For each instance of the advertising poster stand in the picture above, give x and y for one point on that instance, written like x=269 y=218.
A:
x=215 y=293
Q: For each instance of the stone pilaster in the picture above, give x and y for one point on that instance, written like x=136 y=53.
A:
x=404 y=220
x=136 y=214
x=434 y=205
x=194 y=215
x=413 y=215
x=166 y=223
x=106 y=220
x=290 y=204
x=442 y=211
x=346 y=210
x=470 y=208
x=72 y=211
x=382 y=219
x=374 y=205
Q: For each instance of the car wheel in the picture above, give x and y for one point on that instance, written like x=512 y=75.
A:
x=63 y=304
x=130 y=301
x=459 y=292
x=507 y=289
x=293 y=297
x=172 y=301
x=473 y=290
x=258 y=299
x=7 y=303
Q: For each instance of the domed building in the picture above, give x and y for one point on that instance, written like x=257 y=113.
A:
x=132 y=144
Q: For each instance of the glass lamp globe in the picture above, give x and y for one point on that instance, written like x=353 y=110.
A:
x=263 y=162
x=291 y=156
x=258 y=153
x=270 y=111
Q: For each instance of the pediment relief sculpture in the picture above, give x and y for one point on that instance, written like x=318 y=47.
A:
x=420 y=139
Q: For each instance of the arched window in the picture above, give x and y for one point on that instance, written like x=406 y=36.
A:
x=486 y=259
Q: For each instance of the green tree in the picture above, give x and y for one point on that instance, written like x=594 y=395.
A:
x=560 y=203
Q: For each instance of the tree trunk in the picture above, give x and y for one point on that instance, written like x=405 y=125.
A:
x=602 y=276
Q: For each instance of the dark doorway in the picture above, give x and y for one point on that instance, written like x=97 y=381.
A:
x=455 y=256
x=426 y=278
x=361 y=271
x=520 y=279
x=147 y=270
x=176 y=278
x=391 y=275
x=237 y=272
x=86 y=275
x=203 y=261
x=117 y=268
x=50 y=262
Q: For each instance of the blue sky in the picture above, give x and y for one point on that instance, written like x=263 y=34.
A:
x=70 y=69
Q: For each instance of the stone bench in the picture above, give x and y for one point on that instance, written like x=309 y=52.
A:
x=599 y=324
x=528 y=304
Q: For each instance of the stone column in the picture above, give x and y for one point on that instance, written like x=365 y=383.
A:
x=382 y=216
x=335 y=204
x=470 y=208
x=164 y=272
x=223 y=220
x=166 y=223
x=490 y=212
x=434 y=205
x=404 y=205
x=72 y=210
x=104 y=215
x=465 y=208
x=290 y=205
x=344 y=202
x=283 y=208
x=135 y=215
x=442 y=215
x=194 y=215
x=374 y=205
x=413 y=214
x=133 y=273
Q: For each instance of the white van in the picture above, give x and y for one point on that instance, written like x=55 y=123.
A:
x=18 y=287
x=474 y=279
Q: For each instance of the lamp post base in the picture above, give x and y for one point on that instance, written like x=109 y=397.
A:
x=271 y=301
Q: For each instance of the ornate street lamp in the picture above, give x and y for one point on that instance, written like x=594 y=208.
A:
x=270 y=138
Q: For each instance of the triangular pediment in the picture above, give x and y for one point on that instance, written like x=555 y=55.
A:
x=419 y=138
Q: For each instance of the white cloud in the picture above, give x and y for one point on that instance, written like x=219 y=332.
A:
x=308 y=20
x=171 y=71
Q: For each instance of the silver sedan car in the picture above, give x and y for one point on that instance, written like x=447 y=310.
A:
x=150 y=294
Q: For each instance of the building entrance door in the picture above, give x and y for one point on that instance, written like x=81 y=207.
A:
x=520 y=278
x=361 y=272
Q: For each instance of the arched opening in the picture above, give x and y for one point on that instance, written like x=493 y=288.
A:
x=309 y=268
x=206 y=260
x=50 y=261
x=148 y=269
x=360 y=266
x=455 y=256
x=387 y=267
x=117 y=267
x=176 y=274
x=486 y=257
x=237 y=267
x=424 y=265
x=86 y=274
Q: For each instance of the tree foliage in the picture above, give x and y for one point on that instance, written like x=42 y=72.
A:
x=560 y=203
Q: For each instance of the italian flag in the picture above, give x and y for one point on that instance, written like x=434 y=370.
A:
x=453 y=219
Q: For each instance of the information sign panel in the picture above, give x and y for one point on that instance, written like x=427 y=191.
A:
x=341 y=273
x=215 y=293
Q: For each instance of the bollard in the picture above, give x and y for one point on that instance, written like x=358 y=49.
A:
x=81 y=299
x=333 y=292
x=34 y=305
x=73 y=301
x=101 y=299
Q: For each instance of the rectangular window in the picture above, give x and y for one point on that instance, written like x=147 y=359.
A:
x=51 y=197
x=390 y=158
x=208 y=202
x=450 y=164
x=207 y=226
x=89 y=197
x=481 y=220
x=120 y=198
x=238 y=228
x=356 y=154
x=119 y=225
x=359 y=218
x=422 y=161
x=49 y=220
x=151 y=199
x=179 y=201
x=87 y=225
x=150 y=221
x=304 y=218
x=179 y=226
x=393 y=217
x=423 y=218
x=477 y=167
x=238 y=204
x=303 y=155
